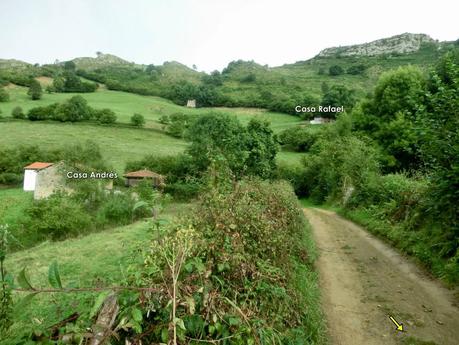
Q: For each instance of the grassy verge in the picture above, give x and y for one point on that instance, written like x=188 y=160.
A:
x=98 y=259
x=306 y=282
x=416 y=243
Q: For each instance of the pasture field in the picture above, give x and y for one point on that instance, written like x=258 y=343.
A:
x=152 y=108
x=120 y=143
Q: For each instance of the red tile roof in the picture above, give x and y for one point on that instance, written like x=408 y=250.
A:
x=142 y=174
x=38 y=166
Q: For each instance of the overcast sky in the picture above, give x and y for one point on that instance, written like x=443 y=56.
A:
x=210 y=33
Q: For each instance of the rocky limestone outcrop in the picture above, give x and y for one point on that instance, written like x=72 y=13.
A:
x=400 y=44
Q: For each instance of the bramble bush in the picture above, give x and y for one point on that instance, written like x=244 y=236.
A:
x=229 y=270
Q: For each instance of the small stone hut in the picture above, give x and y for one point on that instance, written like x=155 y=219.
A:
x=43 y=179
x=191 y=103
x=134 y=177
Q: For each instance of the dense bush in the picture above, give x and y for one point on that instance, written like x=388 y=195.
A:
x=75 y=109
x=244 y=246
x=356 y=69
x=336 y=167
x=105 y=116
x=57 y=217
x=137 y=120
x=337 y=96
x=299 y=139
x=335 y=70
x=70 y=82
x=35 y=91
x=17 y=113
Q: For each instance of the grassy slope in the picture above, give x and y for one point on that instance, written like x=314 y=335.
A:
x=94 y=260
x=122 y=143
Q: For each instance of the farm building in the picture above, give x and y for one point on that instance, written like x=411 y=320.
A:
x=134 y=177
x=191 y=103
x=43 y=179
x=320 y=120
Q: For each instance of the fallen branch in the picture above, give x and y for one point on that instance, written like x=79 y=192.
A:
x=104 y=323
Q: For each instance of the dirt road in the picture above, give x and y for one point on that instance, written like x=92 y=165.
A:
x=364 y=282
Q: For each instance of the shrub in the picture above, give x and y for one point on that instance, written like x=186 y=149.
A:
x=356 y=69
x=4 y=96
x=106 y=116
x=298 y=138
x=335 y=70
x=137 y=120
x=17 y=113
x=57 y=217
x=74 y=109
x=117 y=209
x=35 y=91
x=43 y=113
x=243 y=245
x=337 y=166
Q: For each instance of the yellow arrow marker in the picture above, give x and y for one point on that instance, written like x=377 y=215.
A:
x=398 y=325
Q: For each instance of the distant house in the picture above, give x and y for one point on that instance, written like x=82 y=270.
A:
x=191 y=103
x=320 y=120
x=134 y=177
x=43 y=179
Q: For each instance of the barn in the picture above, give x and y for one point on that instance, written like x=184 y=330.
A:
x=134 y=177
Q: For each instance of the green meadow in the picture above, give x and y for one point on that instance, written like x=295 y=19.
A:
x=120 y=143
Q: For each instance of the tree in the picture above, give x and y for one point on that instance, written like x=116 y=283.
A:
x=35 y=91
x=69 y=66
x=75 y=109
x=214 y=137
x=106 y=116
x=138 y=120
x=335 y=70
x=389 y=116
x=439 y=145
x=4 y=96
x=17 y=113
x=262 y=148
x=337 y=96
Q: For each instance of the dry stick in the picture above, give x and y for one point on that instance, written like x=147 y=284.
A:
x=246 y=319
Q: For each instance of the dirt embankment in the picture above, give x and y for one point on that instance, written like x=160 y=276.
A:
x=364 y=282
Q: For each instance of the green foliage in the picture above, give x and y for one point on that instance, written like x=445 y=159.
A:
x=242 y=246
x=70 y=82
x=262 y=149
x=35 y=91
x=337 y=96
x=17 y=113
x=356 y=69
x=336 y=166
x=440 y=143
x=214 y=135
x=4 y=96
x=137 y=120
x=57 y=217
x=73 y=110
x=335 y=70
x=389 y=116
x=117 y=209
x=6 y=301
x=105 y=116
x=298 y=138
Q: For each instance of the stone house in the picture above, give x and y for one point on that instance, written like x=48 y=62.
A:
x=43 y=179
